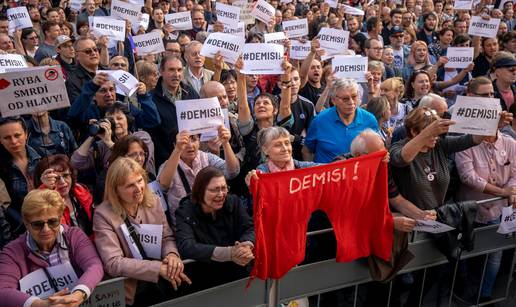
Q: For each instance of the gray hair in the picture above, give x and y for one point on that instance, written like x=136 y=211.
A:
x=428 y=100
x=201 y=36
x=375 y=65
x=343 y=83
x=267 y=135
x=359 y=143
x=191 y=45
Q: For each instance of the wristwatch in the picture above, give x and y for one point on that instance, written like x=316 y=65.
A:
x=84 y=294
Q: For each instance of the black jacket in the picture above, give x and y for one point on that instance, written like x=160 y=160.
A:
x=497 y=94
x=164 y=135
x=421 y=36
x=76 y=81
x=198 y=233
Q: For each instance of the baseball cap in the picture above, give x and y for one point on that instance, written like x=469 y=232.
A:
x=504 y=62
x=61 y=39
x=396 y=30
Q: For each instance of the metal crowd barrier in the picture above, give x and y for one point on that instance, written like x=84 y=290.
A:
x=317 y=278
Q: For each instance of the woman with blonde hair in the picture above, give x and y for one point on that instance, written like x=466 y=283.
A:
x=393 y=89
x=133 y=237
x=50 y=250
x=418 y=59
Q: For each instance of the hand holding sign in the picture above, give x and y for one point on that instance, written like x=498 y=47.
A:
x=404 y=224
x=64 y=297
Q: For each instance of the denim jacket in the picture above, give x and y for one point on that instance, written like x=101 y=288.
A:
x=63 y=141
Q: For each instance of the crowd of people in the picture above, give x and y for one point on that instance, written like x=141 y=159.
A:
x=109 y=187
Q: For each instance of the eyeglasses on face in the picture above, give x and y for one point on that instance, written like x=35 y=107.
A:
x=89 y=51
x=52 y=223
x=219 y=190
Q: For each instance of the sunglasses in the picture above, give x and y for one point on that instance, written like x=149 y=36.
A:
x=90 y=51
x=38 y=225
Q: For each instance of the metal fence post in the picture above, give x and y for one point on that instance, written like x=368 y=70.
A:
x=273 y=300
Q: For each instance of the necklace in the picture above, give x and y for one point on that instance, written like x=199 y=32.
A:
x=430 y=174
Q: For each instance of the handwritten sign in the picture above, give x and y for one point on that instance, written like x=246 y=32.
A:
x=262 y=59
x=150 y=43
x=483 y=28
x=354 y=67
x=459 y=57
x=199 y=115
x=476 y=115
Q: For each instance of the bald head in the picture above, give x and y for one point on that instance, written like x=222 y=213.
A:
x=215 y=89
x=368 y=141
x=434 y=102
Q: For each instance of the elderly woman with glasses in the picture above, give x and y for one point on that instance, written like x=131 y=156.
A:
x=51 y=264
x=213 y=228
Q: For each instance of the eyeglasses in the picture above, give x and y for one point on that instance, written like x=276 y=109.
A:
x=90 y=51
x=38 y=225
x=135 y=155
x=219 y=190
x=346 y=99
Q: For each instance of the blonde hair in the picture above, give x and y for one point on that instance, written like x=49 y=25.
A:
x=38 y=201
x=412 y=56
x=394 y=84
x=117 y=175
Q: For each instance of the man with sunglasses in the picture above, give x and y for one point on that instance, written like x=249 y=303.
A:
x=400 y=50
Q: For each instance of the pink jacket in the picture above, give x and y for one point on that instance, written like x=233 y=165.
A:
x=114 y=250
x=17 y=261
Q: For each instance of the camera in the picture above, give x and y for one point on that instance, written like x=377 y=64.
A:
x=95 y=128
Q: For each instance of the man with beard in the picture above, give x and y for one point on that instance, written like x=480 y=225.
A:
x=35 y=18
x=395 y=20
x=353 y=27
x=428 y=34
x=311 y=81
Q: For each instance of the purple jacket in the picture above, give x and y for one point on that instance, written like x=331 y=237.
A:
x=17 y=261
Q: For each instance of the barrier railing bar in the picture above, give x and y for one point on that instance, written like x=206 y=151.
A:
x=389 y=295
x=273 y=299
x=482 y=278
x=421 y=294
x=355 y=296
x=453 y=281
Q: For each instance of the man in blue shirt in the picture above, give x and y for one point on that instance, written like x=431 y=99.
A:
x=332 y=131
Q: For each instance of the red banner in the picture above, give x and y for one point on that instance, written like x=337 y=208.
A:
x=353 y=193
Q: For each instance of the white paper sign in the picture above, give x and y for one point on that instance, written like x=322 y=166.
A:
x=140 y=2
x=180 y=21
x=142 y=22
x=300 y=51
x=459 y=57
x=9 y=61
x=431 y=226
x=18 y=18
x=230 y=46
x=212 y=134
x=463 y=4
x=483 y=28
x=156 y=188
x=238 y=31
x=245 y=12
x=124 y=10
x=508 y=222
x=262 y=59
x=296 y=28
x=227 y=14
x=114 y=29
x=150 y=237
x=263 y=11
x=37 y=283
x=476 y=115
x=35 y=90
x=150 y=43
x=123 y=80
x=76 y=5
x=332 y=3
x=353 y=11
x=275 y=38
x=353 y=67
x=333 y=41
x=199 y=115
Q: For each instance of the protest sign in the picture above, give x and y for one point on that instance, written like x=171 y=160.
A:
x=262 y=59
x=431 y=226
x=296 y=28
x=263 y=11
x=299 y=50
x=123 y=10
x=180 y=21
x=353 y=67
x=275 y=38
x=227 y=14
x=123 y=80
x=483 y=28
x=476 y=115
x=114 y=29
x=245 y=11
x=333 y=41
x=508 y=222
x=332 y=3
x=38 y=284
x=139 y=2
x=110 y=293
x=238 y=31
x=156 y=189
x=11 y=61
x=212 y=134
x=230 y=46
x=199 y=115
x=150 y=43
x=18 y=18
x=463 y=4
x=142 y=22
x=150 y=237
x=76 y=5
x=353 y=10
x=36 y=90
x=459 y=57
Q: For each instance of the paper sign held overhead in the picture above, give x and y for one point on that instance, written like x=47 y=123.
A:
x=76 y=5
x=332 y=3
x=107 y=26
x=150 y=43
x=198 y=116
x=245 y=11
x=262 y=59
x=275 y=38
x=353 y=67
x=123 y=80
x=123 y=10
x=29 y=91
x=476 y=115
x=459 y=57
x=463 y=4
x=227 y=14
x=11 y=61
x=333 y=41
x=142 y=22
x=353 y=11
x=299 y=50
x=263 y=11
x=180 y=21
x=431 y=226
x=18 y=18
x=296 y=28
x=230 y=46
x=483 y=28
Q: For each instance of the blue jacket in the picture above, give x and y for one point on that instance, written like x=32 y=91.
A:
x=63 y=141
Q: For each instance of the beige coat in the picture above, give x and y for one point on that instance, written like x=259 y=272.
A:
x=114 y=250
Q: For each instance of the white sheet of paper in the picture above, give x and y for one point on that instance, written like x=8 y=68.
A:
x=332 y=3
x=180 y=21
x=459 y=57
x=463 y=4
x=508 y=222
x=431 y=226
x=212 y=134
x=245 y=12
x=229 y=15
x=113 y=28
x=296 y=28
x=262 y=59
x=18 y=18
x=142 y=22
x=353 y=11
x=230 y=46
x=483 y=28
x=199 y=115
x=333 y=41
x=238 y=31
x=37 y=284
x=353 y=67
x=123 y=10
x=274 y=38
x=76 y=5
x=149 y=43
x=150 y=237
x=123 y=80
x=476 y=115
x=263 y=11
x=298 y=50
x=9 y=61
